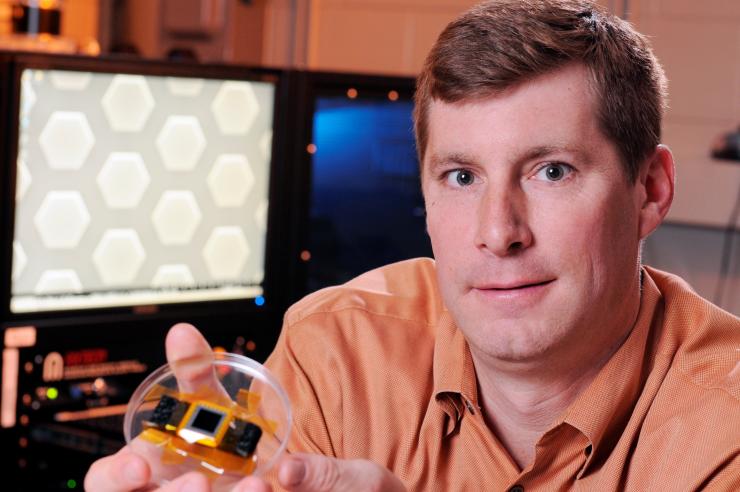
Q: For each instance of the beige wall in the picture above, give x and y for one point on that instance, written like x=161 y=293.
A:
x=80 y=21
x=699 y=46
x=369 y=36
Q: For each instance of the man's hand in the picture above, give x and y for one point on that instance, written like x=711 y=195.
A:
x=187 y=353
x=314 y=473
x=126 y=471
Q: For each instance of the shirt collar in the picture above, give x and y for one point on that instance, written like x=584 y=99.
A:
x=455 y=384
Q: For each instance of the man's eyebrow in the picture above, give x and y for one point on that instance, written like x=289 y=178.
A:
x=437 y=161
x=544 y=150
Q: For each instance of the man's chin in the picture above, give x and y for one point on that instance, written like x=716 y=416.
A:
x=512 y=339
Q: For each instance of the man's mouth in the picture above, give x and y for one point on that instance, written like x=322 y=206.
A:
x=517 y=285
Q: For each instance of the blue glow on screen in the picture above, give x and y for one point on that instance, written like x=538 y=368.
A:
x=366 y=203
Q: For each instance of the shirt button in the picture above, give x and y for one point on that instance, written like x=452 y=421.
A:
x=516 y=488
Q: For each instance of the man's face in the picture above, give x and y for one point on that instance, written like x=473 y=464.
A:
x=534 y=225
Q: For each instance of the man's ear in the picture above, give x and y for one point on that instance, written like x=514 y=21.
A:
x=657 y=180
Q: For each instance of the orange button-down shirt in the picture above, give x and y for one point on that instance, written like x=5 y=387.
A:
x=377 y=369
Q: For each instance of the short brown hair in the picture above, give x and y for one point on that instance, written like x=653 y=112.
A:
x=501 y=43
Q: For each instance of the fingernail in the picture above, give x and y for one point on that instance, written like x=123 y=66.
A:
x=296 y=471
x=133 y=471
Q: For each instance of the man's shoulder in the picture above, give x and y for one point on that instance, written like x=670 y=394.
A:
x=406 y=290
x=705 y=339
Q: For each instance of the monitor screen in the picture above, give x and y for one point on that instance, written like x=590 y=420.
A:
x=366 y=207
x=136 y=189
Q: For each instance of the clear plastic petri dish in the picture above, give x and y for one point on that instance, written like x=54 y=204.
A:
x=222 y=414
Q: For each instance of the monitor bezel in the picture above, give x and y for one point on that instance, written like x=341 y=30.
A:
x=279 y=179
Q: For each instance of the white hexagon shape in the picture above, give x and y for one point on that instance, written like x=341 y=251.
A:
x=67 y=80
x=226 y=253
x=260 y=215
x=118 y=256
x=230 y=180
x=28 y=95
x=23 y=180
x=266 y=143
x=123 y=179
x=235 y=107
x=20 y=260
x=62 y=219
x=173 y=276
x=184 y=87
x=176 y=217
x=58 y=282
x=127 y=103
x=66 y=140
x=181 y=143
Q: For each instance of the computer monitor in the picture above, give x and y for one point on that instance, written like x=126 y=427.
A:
x=365 y=205
x=138 y=184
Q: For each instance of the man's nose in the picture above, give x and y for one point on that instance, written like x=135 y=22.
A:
x=503 y=228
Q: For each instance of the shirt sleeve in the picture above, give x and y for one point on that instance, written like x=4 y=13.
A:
x=301 y=361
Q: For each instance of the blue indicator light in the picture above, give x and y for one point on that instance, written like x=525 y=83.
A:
x=259 y=300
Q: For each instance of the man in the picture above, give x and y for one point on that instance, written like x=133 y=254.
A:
x=536 y=352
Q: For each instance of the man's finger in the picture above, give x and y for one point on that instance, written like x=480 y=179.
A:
x=315 y=473
x=191 y=358
x=123 y=471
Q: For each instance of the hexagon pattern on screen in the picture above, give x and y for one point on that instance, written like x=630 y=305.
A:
x=235 y=108
x=62 y=219
x=118 y=256
x=19 y=259
x=181 y=143
x=260 y=215
x=23 y=180
x=123 y=179
x=130 y=186
x=66 y=140
x=184 y=87
x=128 y=103
x=28 y=96
x=176 y=217
x=226 y=252
x=266 y=144
x=174 y=276
x=58 y=281
x=70 y=81
x=230 y=180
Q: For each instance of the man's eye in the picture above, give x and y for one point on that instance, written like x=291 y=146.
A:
x=554 y=171
x=460 y=177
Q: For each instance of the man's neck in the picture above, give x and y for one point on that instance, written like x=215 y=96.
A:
x=521 y=400
x=518 y=412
